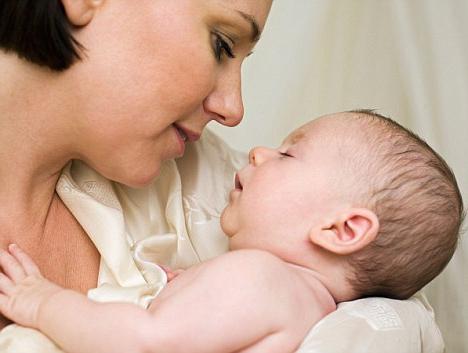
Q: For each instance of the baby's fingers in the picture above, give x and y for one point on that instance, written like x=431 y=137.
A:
x=170 y=273
x=11 y=267
x=6 y=285
x=29 y=266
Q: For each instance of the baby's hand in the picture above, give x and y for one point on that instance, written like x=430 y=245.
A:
x=23 y=289
x=170 y=273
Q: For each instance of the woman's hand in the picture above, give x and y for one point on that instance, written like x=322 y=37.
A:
x=23 y=289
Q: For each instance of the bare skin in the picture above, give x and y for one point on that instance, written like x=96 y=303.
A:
x=75 y=261
x=243 y=304
x=287 y=268
x=123 y=125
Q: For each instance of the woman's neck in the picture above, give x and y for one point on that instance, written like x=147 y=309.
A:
x=26 y=201
x=34 y=146
x=37 y=139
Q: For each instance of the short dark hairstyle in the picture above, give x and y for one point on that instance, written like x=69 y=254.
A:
x=415 y=195
x=38 y=31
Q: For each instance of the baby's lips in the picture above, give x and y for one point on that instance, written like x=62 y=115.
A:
x=237 y=182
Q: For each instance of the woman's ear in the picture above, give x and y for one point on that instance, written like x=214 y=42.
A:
x=348 y=233
x=81 y=12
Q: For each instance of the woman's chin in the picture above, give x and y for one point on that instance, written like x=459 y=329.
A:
x=139 y=178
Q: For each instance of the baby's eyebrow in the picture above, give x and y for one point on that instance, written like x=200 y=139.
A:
x=295 y=137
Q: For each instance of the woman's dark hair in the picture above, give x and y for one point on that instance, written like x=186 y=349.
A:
x=38 y=31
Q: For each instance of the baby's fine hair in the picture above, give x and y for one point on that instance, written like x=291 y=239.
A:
x=416 y=198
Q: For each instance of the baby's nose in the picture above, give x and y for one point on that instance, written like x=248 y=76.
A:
x=258 y=155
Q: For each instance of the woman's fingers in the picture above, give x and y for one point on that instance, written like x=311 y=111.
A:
x=29 y=266
x=11 y=267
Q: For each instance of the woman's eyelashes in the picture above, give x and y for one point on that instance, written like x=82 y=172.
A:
x=221 y=47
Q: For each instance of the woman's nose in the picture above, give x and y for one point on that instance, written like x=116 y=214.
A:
x=224 y=103
x=259 y=155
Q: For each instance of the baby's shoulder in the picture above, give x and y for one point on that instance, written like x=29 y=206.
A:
x=267 y=284
x=257 y=271
x=252 y=261
x=251 y=257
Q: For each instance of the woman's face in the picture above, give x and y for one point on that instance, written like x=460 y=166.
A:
x=151 y=68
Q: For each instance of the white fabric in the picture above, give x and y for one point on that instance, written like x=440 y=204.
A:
x=377 y=325
x=175 y=221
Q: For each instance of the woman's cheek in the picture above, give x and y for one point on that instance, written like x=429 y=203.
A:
x=199 y=74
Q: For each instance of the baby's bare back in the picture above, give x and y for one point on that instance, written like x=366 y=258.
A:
x=243 y=301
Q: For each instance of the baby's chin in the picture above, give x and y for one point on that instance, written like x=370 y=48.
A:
x=226 y=225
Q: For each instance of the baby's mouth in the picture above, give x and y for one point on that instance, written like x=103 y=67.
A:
x=237 y=183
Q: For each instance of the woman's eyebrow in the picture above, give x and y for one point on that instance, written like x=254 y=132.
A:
x=255 y=36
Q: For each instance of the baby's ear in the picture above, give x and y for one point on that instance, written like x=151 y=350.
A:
x=81 y=12
x=349 y=232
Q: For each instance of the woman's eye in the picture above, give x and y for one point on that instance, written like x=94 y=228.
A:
x=221 y=47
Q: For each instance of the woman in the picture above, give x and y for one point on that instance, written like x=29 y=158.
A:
x=119 y=85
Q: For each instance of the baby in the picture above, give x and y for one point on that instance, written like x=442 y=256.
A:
x=350 y=205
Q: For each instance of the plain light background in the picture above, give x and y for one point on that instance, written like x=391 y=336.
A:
x=406 y=58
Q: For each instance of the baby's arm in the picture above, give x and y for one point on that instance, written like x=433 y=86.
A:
x=77 y=324
x=211 y=314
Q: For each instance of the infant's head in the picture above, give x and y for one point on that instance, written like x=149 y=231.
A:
x=415 y=196
x=360 y=189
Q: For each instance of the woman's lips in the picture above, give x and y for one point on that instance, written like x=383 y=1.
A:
x=182 y=133
x=181 y=138
x=189 y=135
